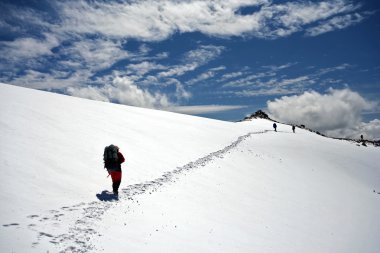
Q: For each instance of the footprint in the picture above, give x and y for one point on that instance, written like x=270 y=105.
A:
x=10 y=225
x=32 y=216
x=45 y=234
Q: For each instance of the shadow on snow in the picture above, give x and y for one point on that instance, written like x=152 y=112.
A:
x=107 y=196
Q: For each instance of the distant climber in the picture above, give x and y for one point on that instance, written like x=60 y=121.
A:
x=294 y=128
x=361 y=137
x=112 y=162
x=275 y=127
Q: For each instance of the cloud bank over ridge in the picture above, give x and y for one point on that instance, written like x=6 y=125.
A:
x=337 y=113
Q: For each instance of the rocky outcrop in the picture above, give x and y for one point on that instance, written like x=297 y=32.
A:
x=258 y=115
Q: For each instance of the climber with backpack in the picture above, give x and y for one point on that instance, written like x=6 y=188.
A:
x=112 y=162
x=275 y=127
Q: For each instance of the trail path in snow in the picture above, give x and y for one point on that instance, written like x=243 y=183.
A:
x=87 y=214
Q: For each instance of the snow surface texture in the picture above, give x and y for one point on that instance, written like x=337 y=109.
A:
x=189 y=184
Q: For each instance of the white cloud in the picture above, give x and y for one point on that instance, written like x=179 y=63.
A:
x=249 y=80
x=21 y=19
x=255 y=79
x=178 y=70
x=301 y=80
x=95 y=31
x=153 y=20
x=369 y=130
x=181 y=93
x=231 y=75
x=123 y=91
x=114 y=22
x=335 y=112
x=256 y=82
x=340 y=67
x=273 y=83
x=284 y=19
x=150 y=20
x=201 y=77
x=144 y=67
x=25 y=48
x=143 y=56
x=206 y=75
x=335 y=23
x=51 y=80
x=204 y=109
x=96 y=54
x=194 y=59
x=126 y=92
x=298 y=13
x=5 y=27
x=276 y=68
x=265 y=92
x=88 y=92
x=203 y=54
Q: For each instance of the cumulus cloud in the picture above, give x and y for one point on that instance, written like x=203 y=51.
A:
x=123 y=91
x=370 y=131
x=336 y=113
x=88 y=92
x=126 y=92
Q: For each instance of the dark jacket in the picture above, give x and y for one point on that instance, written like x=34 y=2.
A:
x=115 y=165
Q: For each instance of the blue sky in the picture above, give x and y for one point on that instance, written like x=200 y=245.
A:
x=310 y=62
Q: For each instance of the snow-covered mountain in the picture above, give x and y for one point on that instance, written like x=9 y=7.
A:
x=190 y=184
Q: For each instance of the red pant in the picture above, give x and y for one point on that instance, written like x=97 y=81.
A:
x=115 y=175
x=116 y=180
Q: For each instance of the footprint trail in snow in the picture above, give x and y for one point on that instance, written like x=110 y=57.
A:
x=77 y=239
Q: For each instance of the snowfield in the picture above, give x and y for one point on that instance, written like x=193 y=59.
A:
x=190 y=184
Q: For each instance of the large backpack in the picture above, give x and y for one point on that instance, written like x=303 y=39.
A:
x=110 y=156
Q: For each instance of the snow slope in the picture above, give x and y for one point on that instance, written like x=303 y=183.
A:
x=190 y=184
